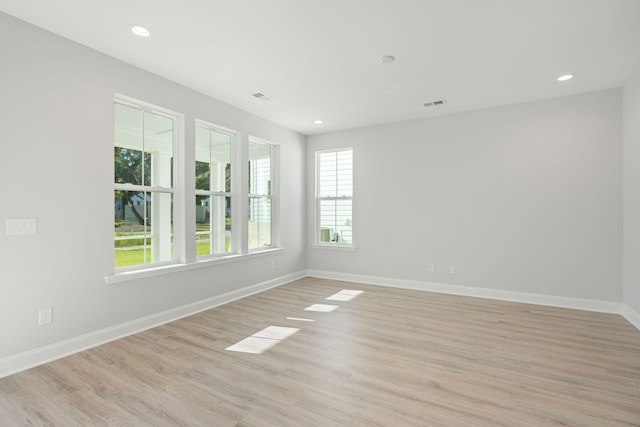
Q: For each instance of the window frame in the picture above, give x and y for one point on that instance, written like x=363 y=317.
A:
x=318 y=200
x=271 y=196
x=235 y=137
x=176 y=215
x=183 y=209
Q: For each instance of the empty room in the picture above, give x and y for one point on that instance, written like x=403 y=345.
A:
x=320 y=213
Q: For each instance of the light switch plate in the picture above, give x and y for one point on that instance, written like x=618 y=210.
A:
x=16 y=226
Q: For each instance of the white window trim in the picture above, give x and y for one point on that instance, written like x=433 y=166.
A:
x=177 y=189
x=316 y=228
x=184 y=258
x=334 y=246
x=275 y=209
x=159 y=270
x=236 y=229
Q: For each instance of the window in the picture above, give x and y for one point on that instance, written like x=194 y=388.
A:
x=334 y=196
x=143 y=197
x=151 y=203
x=261 y=158
x=214 y=152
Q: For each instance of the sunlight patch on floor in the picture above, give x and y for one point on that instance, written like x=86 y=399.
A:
x=321 y=307
x=344 y=295
x=300 y=319
x=263 y=340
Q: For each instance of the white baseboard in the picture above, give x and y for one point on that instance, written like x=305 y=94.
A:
x=632 y=316
x=497 y=294
x=29 y=359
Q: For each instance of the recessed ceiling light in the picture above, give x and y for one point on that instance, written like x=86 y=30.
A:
x=141 y=31
x=318 y=122
x=565 y=77
x=387 y=59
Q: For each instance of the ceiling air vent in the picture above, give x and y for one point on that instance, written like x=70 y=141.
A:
x=262 y=96
x=434 y=103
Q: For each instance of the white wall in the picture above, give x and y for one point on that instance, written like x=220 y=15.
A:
x=522 y=198
x=631 y=126
x=56 y=124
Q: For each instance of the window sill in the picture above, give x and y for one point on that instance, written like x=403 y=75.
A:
x=126 y=276
x=334 y=247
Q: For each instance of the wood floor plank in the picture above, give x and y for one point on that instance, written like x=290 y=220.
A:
x=387 y=357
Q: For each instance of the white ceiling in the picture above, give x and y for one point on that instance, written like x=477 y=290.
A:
x=319 y=59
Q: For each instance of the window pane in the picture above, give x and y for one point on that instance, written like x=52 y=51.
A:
x=335 y=174
x=327 y=174
x=131 y=231
x=203 y=176
x=335 y=192
x=159 y=218
x=259 y=223
x=129 y=164
x=213 y=225
x=221 y=225
x=128 y=145
x=344 y=172
x=335 y=221
x=221 y=144
x=128 y=127
x=203 y=158
x=260 y=179
x=158 y=142
x=203 y=212
x=260 y=157
x=213 y=159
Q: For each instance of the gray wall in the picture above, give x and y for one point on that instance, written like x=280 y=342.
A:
x=56 y=124
x=632 y=194
x=523 y=198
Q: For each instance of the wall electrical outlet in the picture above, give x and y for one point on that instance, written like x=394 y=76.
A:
x=272 y=264
x=17 y=226
x=45 y=316
x=452 y=269
x=432 y=268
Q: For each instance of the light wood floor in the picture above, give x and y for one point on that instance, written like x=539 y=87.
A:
x=388 y=357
